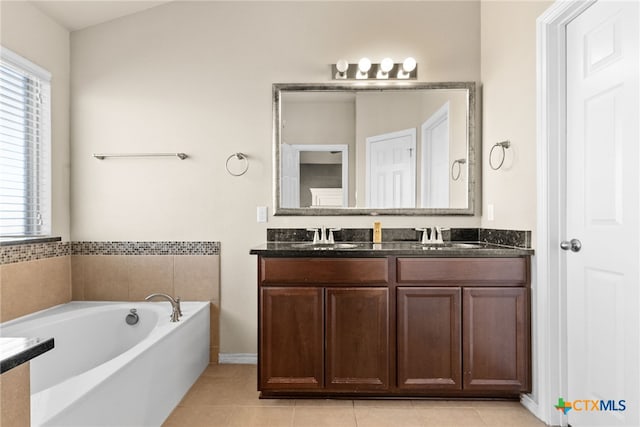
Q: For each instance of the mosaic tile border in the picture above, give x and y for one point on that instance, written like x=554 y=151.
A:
x=30 y=252
x=146 y=248
x=33 y=251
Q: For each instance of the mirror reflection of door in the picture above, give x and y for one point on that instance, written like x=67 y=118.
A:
x=391 y=170
x=290 y=190
x=435 y=159
x=314 y=175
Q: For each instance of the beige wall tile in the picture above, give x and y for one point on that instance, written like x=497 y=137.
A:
x=148 y=274
x=106 y=278
x=214 y=353
x=34 y=285
x=78 y=277
x=15 y=397
x=214 y=328
x=197 y=277
x=55 y=282
x=21 y=283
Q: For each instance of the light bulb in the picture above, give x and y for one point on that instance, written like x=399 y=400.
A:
x=342 y=65
x=386 y=65
x=409 y=64
x=364 y=65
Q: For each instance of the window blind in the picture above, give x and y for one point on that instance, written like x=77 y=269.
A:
x=25 y=143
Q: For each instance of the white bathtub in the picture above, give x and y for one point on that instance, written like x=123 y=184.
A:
x=104 y=372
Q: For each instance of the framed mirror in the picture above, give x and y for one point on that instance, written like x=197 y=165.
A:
x=374 y=148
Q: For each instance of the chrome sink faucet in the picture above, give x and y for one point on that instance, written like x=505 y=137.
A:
x=436 y=235
x=431 y=235
x=320 y=235
x=176 y=311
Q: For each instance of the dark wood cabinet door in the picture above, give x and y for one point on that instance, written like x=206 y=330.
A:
x=357 y=337
x=429 y=338
x=291 y=338
x=496 y=339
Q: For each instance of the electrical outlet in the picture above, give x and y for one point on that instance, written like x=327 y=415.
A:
x=490 y=212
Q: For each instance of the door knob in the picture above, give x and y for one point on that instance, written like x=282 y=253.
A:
x=575 y=245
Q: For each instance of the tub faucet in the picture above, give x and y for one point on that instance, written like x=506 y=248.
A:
x=176 y=312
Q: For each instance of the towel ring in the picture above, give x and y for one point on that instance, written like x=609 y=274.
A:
x=239 y=156
x=458 y=162
x=503 y=145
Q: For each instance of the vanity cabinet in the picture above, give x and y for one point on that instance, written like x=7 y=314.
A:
x=496 y=339
x=324 y=324
x=429 y=338
x=357 y=338
x=393 y=326
x=292 y=338
x=473 y=311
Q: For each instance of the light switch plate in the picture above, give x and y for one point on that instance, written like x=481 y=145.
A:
x=262 y=214
x=490 y=212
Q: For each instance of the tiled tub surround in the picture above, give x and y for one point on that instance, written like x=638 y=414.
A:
x=15 y=397
x=515 y=238
x=40 y=275
x=133 y=277
x=33 y=285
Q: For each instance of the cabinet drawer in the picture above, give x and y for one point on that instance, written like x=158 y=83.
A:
x=348 y=271
x=492 y=271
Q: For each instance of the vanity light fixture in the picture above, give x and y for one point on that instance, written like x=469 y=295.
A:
x=366 y=70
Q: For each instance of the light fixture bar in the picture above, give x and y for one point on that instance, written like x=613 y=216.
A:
x=376 y=72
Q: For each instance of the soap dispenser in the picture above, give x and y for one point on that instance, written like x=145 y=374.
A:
x=377 y=232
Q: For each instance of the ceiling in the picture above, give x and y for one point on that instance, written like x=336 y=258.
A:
x=78 y=14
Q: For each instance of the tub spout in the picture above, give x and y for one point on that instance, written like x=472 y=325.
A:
x=175 y=305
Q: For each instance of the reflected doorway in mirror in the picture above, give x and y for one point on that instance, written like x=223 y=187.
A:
x=306 y=167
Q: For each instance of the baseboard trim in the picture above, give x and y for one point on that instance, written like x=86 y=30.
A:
x=531 y=405
x=238 y=358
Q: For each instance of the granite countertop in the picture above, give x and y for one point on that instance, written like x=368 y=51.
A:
x=368 y=249
x=16 y=351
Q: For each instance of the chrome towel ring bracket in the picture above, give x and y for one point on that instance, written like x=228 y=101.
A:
x=241 y=157
x=503 y=145
x=455 y=174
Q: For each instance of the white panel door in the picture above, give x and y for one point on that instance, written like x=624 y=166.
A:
x=435 y=159
x=391 y=170
x=603 y=164
x=290 y=182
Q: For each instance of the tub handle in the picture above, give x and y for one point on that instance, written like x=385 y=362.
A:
x=132 y=317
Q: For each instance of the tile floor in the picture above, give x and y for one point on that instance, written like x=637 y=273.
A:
x=225 y=395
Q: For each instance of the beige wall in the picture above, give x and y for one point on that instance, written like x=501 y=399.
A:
x=509 y=111
x=196 y=77
x=33 y=35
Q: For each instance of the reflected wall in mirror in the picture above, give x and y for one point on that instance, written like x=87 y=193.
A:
x=398 y=149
